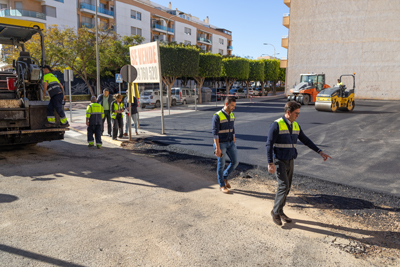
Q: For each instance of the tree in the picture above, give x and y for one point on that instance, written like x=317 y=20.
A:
x=282 y=74
x=256 y=73
x=178 y=61
x=271 y=70
x=209 y=67
x=233 y=69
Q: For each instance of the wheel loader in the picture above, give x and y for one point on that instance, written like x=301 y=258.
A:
x=337 y=98
x=306 y=91
x=22 y=109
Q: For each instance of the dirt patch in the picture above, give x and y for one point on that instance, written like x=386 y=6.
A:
x=360 y=222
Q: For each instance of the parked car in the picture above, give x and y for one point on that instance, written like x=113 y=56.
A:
x=218 y=93
x=183 y=96
x=238 y=93
x=251 y=91
x=152 y=97
x=257 y=91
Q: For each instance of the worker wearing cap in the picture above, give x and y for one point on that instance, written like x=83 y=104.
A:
x=53 y=87
x=94 y=122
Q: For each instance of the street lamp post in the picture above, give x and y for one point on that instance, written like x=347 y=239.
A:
x=273 y=47
x=97 y=54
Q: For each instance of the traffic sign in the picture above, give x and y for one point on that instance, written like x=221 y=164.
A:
x=118 y=78
x=128 y=73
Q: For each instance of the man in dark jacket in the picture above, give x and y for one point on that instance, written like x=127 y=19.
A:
x=281 y=150
x=105 y=100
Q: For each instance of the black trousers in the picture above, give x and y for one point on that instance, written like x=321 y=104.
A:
x=107 y=115
x=284 y=175
x=118 y=124
x=96 y=130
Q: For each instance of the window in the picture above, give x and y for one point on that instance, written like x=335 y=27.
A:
x=103 y=6
x=112 y=8
x=2 y=6
x=188 y=31
x=61 y=1
x=18 y=5
x=49 y=11
x=136 y=15
x=221 y=51
x=86 y=20
x=221 y=41
x=136 y=31
x=187 y=42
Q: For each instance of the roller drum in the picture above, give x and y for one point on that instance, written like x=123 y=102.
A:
x=323 y=106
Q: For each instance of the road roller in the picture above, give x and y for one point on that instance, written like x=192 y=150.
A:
x=337 y=98
x=306 y=91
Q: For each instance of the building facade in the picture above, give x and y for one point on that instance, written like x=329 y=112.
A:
x=344 y=37
x=127 y=17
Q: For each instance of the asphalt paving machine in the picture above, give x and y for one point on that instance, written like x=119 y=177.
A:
x=337 y=98
x=306 y=91
x=22 y=109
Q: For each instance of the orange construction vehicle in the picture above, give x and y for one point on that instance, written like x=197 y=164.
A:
x=307 y=90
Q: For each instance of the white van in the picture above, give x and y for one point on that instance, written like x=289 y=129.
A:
x=152 y=97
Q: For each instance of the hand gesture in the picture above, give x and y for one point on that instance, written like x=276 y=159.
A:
x=324 y=156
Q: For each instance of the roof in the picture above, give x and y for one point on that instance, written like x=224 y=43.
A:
x=13 y=31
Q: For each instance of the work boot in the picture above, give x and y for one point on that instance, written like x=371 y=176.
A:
x=285 y=218
x=90 y=144
x=225 y=190
x=98 y=146
x=65 y=125
x=227 y=184
x=276 y=218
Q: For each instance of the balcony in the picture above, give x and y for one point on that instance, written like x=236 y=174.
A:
x=285 y=41
x=161 y=28
x=100 y=11
x=204 y=40
x=283 y=63
x=170 y=30
x=22 y=13
x=286 y=20
x=230 y=47
x=287 y=2
x=87 y=25
x=161 y=38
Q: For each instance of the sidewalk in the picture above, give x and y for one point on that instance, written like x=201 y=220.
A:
x=79 y=115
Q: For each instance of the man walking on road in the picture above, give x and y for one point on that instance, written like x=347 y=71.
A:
x=225 y=143
x=281 y=151
x=105 y=101
x=94 y=122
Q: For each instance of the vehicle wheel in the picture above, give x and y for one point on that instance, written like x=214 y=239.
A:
x=158 y=104
x=334 y=106
x=299 y=99
x=184 y=102
x=350 y=105
x=306 y=99
x=143 y=105
x=173 y=102
x=289 y=98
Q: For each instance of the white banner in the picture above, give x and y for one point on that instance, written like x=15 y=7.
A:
x=145 y=58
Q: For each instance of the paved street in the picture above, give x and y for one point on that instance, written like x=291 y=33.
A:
x=364 y=144
x=64 y=204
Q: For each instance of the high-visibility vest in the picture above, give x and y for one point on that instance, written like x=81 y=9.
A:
x=95 y=114
x=226 y=127
x=53 y=84
x=114 y=108
x=285 y=145
x=339 y=83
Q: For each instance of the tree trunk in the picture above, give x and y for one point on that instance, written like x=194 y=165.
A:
x=169 y=82
x=88 y=84
x=200 y=81
x=274 y=88
x=247 y=88
x=229 y=82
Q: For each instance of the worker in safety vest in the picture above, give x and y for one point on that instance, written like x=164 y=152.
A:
x=225 y=143
x=339 y=83
x=281 y=151
x=53 y=87
x=94 y=122
x=117 y=115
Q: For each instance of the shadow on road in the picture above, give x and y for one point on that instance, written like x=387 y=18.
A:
x=4 y=198
x=36 y=256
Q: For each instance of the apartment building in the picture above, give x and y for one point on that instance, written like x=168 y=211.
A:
x=342 y=37
x=126 y=17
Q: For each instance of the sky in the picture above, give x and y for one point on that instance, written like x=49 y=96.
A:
x=252 y=22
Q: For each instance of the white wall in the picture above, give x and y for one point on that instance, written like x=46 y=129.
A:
x=216 y=46
x=65 y=12
x=124 y=22
x=180 y=35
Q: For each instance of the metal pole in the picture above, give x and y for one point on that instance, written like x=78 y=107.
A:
x=195 y=98
x=70 y=97
x=119 y=85
x=161 y=99
x=97 y=54
x=216 y=91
